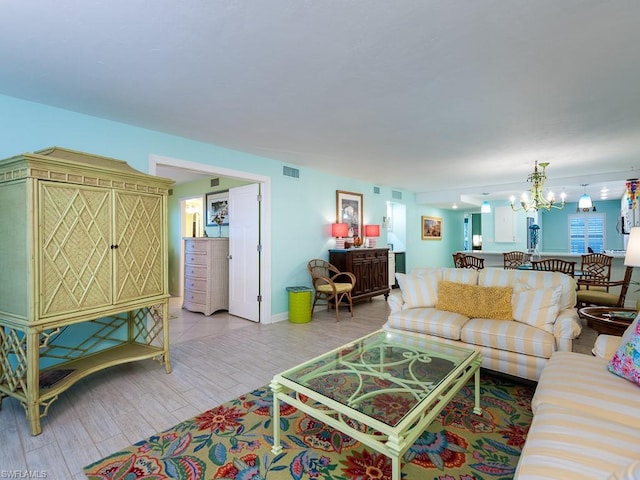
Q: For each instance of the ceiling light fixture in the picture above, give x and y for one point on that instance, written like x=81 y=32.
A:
x=585 y=204
x=485 y=207
x=537 y=200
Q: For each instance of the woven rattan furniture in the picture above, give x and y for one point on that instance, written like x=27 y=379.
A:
x=83 y=250
x=331 y=285
x=462 y=260
x=512 y=260
x=206 y=274
x=596 y=267
x=555 y=265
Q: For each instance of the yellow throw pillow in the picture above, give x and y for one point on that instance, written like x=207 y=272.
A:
x=475 y=301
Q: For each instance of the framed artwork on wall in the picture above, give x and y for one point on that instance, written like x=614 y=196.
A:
x=349 y=207
x=217 y=208
x=431 y=228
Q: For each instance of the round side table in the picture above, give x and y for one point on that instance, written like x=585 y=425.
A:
x=604 y=319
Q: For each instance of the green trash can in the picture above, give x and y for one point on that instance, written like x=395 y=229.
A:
x=299 y=304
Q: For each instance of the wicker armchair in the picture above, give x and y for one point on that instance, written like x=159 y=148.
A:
x=597 y=292
x=331 y=285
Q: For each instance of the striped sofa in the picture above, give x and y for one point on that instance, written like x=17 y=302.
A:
x=586 y=422
x=545 y=318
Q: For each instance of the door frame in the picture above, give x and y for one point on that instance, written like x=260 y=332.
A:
x=265 y=215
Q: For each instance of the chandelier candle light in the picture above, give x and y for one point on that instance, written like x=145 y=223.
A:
x=537 y=200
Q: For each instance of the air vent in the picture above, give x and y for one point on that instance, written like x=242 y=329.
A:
x=396 y=195
x=376 y=190
x=215 y=182
x=290 y=172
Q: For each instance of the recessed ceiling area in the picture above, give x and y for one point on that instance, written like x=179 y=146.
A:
x=446 y=99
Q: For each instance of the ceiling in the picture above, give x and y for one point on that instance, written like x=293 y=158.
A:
x=441 y=97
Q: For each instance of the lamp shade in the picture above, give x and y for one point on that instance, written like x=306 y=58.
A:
x=632 y=257
x=585 y=202
x=339 y=230
x=372 y=230
x=485 y=207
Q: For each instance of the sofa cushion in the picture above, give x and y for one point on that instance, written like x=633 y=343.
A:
x=498 y=277
x=536 y=307
x=626 y=361
x=429 y=321
x=564 y=443
x=630 y=472
x=419 y=290
x=568 y=381
x=461 y=275
x=474 y=301
x=509 y=336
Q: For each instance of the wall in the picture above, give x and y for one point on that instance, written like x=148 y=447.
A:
x=554 y=229
x=302 y=209
x=189 y=190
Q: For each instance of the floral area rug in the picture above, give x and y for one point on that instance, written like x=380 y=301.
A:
x=234 y=441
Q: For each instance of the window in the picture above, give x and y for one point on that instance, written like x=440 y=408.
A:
x=587 y=230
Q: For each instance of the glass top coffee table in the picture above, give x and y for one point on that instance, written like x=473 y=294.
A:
x=390 y=385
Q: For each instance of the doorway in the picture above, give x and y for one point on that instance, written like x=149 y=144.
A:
x=176 y=168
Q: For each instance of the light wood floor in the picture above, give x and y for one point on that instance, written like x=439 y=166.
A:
x=214 y=359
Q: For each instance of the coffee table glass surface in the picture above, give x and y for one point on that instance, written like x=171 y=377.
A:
x=393 y=384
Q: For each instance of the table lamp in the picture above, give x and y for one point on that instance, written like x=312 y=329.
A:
x=339 y=231
x=372 y=231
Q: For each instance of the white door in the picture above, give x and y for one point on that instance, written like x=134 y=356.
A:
x=244 y=252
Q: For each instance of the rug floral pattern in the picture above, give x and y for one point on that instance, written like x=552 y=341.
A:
x=234 y=440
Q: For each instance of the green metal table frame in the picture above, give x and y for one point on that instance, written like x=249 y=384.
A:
x=430 y=398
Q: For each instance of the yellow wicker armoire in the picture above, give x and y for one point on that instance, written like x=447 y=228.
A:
x=83 y=272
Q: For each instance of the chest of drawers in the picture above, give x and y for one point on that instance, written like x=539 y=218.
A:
x=206 y=274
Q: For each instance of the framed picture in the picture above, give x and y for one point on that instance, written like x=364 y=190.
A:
x=217 y=208
x=349 y=210
x=431 y=228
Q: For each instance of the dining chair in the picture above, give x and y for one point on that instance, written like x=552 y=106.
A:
x=554 y=265
x=463 y=260
x=595 y=267
x=512 y=260
x=331 y=285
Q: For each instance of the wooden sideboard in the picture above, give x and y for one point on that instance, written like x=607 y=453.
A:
x=369 y=265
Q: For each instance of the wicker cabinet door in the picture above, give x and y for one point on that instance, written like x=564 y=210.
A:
x=74 y=248
x=139 y=223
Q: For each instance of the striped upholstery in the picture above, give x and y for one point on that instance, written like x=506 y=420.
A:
x=430 y=321
x=576 y=433
x=461 y=275
x=568 y=382
x=419 y=290
x=567 y=444
x=510 y=336
x=512 y=363
x=497 y=277
x=510 y=347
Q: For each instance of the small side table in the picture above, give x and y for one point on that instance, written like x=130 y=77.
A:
x=604 y=319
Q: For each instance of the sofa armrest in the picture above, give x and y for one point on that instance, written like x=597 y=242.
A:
x=606 y=346
x=567 y=325
x=396 y=302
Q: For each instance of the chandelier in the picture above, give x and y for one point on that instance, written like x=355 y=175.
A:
x=537 y=200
